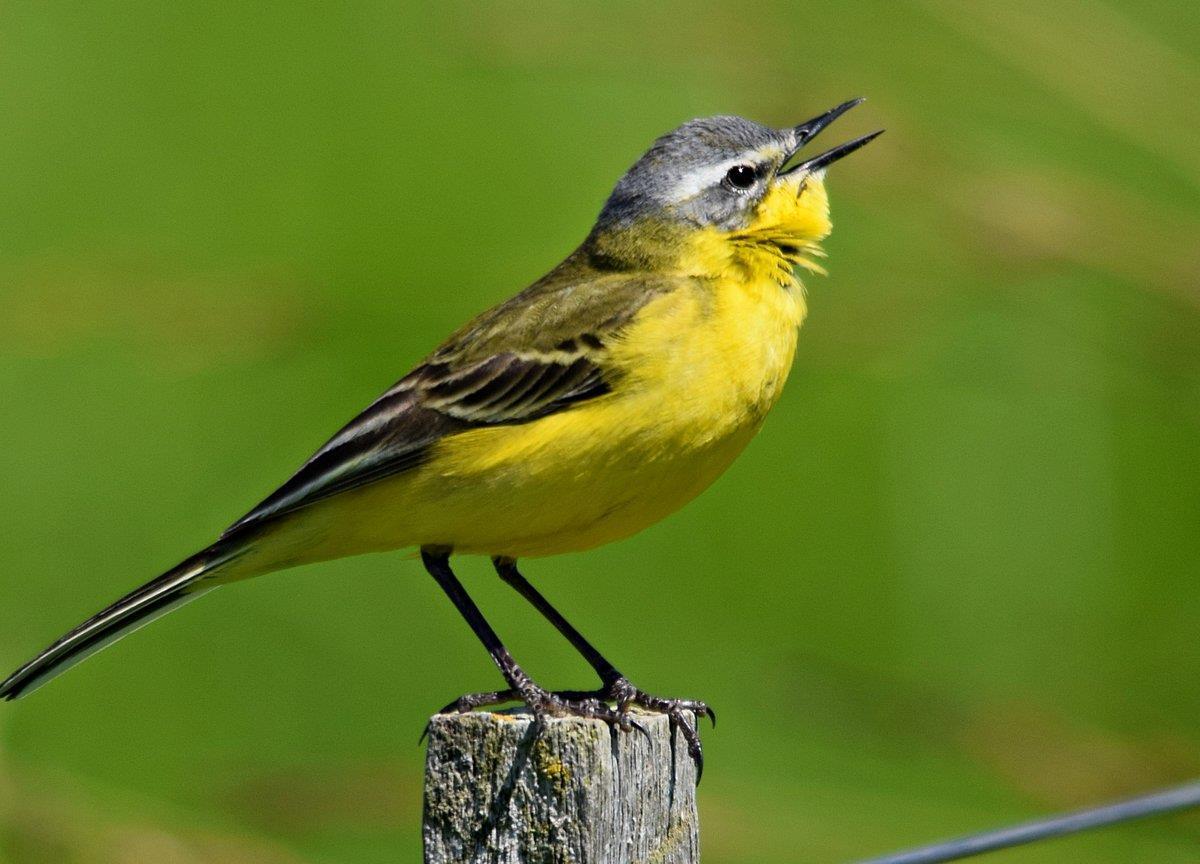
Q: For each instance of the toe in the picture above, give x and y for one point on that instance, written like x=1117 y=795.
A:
x=471 y=701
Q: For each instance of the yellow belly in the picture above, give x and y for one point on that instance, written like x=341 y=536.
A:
x=699 y=369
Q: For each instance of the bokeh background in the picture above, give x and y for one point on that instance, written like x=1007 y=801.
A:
x=953 y=583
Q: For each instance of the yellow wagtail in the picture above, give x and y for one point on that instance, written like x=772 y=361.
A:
x=589 y=406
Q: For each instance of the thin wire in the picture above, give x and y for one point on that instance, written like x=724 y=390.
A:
x=1154 y=804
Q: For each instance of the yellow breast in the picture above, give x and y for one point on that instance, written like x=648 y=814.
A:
x=710 y=361
x=695 y=374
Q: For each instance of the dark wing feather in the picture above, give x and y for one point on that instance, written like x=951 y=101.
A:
x=522 y=360
x=394 y=434
x=510 y=389
x=399 y=429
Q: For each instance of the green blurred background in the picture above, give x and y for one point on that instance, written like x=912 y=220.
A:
x=952 y=583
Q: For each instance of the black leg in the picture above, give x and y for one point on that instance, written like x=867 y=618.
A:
x=507 y=569
x=616 y=687
x=437 y=562
x=521 y=687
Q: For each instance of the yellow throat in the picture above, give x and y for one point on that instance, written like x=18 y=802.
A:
x=786 y=233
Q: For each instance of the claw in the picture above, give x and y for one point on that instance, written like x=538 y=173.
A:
x=639 y=727
x=692 y=736
x=697 y=757
x=684 y=713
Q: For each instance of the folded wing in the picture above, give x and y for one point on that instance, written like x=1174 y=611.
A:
x=542 y=352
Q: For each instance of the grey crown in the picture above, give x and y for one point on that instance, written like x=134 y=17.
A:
x=648 y=189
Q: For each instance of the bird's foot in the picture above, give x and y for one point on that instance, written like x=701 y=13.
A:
x=683 y=713
x=545 y=703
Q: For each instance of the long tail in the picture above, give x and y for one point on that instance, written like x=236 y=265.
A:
x=136 y=609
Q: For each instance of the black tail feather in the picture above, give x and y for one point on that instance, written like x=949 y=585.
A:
x=135 y=609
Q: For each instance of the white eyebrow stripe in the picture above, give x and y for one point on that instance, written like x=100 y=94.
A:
x=696 y=181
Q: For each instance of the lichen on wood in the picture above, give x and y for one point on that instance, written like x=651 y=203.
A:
x=577 y=793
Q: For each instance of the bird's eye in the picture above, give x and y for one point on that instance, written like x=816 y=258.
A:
x=741 y=176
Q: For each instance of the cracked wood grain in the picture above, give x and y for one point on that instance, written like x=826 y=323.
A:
x=579 y=793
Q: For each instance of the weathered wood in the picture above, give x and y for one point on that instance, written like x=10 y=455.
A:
x=578 y=794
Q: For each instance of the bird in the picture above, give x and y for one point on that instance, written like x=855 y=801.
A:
x=584 y=409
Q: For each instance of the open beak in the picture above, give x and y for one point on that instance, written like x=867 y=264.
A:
x=809 y=129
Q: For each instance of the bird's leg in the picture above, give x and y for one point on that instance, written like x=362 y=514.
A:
x=506 y=568
x=521 y=687
x=616 y=687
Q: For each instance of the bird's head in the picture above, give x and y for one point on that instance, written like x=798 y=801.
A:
x=729 y=186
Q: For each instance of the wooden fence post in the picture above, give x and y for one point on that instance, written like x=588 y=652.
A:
x=579 y=793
